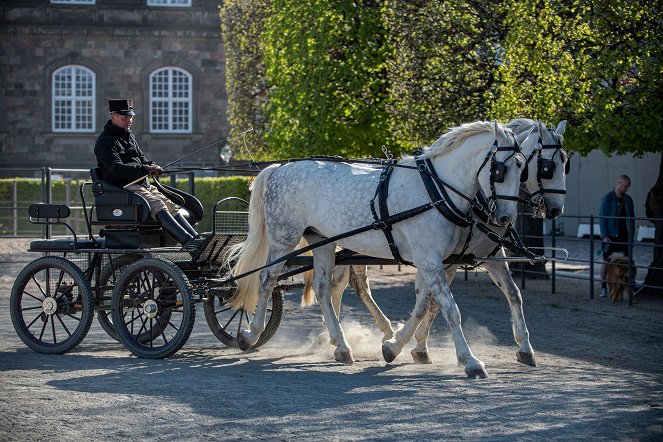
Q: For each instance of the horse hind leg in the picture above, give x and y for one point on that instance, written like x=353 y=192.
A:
x=420 y=353
x=391 y=348
x=359 y=281
x=248 y=338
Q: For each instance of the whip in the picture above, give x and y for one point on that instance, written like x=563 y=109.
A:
x=223 y=140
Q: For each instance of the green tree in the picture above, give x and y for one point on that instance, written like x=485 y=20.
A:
x=443 y=58
x=324 y=63
x=242 y=23
x=598 y=64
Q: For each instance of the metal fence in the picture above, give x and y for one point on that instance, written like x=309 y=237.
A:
x=586 y=255
x=584 y=261
x=13 y=211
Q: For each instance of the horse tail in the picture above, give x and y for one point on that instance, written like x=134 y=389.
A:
x=308 y=295
x=252 y=252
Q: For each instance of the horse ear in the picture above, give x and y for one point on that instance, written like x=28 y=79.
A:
x=497 y=128
x=542 y=130
x=521 y=137
x=560 y=128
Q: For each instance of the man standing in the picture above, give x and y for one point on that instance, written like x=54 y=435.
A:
x=121 y=162
x=616 y=224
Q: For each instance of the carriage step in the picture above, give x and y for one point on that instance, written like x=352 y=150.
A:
x=196 y=245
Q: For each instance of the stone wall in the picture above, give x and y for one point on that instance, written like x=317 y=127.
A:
x=122 y=41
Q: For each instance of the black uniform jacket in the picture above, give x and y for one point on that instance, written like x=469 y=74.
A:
x=118 y=156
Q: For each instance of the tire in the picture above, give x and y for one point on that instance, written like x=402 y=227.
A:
x=51 y=305
x=152 y=308
x=109 y=276
x=226 y=323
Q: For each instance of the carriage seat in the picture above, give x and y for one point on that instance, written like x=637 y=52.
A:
x=118 y=206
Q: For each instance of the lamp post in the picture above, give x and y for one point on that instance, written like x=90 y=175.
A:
x=226 y=154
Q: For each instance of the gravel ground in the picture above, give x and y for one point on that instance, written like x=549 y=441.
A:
x=599 y=375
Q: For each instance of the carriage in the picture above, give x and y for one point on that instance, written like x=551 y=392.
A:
x=144 y=289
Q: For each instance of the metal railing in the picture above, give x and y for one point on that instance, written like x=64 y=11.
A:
x=584 y=259
x=586 y=255
x=13 y=212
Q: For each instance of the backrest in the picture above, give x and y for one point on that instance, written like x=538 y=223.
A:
x=115 y=205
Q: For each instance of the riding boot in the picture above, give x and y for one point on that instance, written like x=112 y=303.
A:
x=174 y=229
x=185 y=223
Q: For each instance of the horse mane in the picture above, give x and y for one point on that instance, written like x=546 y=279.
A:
x=519 y=125
x=456 y=136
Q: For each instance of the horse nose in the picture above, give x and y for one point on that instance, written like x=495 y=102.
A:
x=553 y=213
x=504 y=220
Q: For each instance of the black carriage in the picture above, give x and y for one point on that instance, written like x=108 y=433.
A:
x=142 y=286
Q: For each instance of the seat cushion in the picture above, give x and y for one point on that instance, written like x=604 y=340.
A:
x=62 y=245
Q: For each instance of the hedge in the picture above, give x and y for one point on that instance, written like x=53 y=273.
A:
x=29 y=191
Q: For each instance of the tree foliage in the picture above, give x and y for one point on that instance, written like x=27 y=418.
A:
x=345 y=77
x=325 y=68
x=242 y=23
x=596 y=63
x=442 y=64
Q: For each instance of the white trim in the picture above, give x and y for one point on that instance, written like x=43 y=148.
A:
x=76 y=104
x=170 y=3
x=74 y=2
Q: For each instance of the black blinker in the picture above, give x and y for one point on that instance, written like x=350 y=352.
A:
x=498 y=171
x=567 y=166
x=546 y=169
x=524 y=175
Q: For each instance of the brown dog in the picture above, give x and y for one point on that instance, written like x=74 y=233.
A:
x=617 y=276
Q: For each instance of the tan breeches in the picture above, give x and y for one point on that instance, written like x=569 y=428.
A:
x=155 y=199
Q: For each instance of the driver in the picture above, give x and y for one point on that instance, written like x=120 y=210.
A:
x=121 y=161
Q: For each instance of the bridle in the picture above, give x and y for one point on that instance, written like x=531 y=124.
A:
x=545 y=169
x=498 y=170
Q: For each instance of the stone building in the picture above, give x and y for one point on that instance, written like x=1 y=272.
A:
x=61 y=60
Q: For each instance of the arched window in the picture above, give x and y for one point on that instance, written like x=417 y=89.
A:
x=73 y=99
x=170 y=101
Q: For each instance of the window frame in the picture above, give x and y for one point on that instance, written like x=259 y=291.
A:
x=170 y=101
x=74 y=100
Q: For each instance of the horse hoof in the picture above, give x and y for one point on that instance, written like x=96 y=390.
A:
x=526 y=358
x=421 y=357
x=344 y=357
x=243 y=343
x=477 y=372
x=387 y=354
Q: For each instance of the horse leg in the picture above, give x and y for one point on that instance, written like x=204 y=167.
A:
x=268 y=278
x=392 y=347
x=339 y=282
x=440 y=288
x=359 y=280
x=499 y=273
x=323 y=265
x=420 y=351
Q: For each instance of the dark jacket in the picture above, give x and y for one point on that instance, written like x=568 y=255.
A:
x=609 y=209
x=118 y=156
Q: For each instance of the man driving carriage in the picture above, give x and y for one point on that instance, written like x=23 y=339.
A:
x=122 y=162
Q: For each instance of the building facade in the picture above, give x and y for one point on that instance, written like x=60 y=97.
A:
x=61 y=60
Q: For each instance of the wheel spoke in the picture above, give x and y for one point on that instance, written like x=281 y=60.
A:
x=64 y=325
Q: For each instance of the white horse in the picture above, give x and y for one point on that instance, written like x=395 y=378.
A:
x=545 y=182
x=320 y=199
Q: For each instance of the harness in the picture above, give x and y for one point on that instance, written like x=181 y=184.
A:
x=437 y=191
x=545 y=169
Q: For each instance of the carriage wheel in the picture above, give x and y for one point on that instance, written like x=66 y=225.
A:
x=152 y=308
x=108 y=278
x=51 y=305
x=226 y=323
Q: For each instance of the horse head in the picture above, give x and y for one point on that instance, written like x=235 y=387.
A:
x=500 y=181
x=544 y=177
